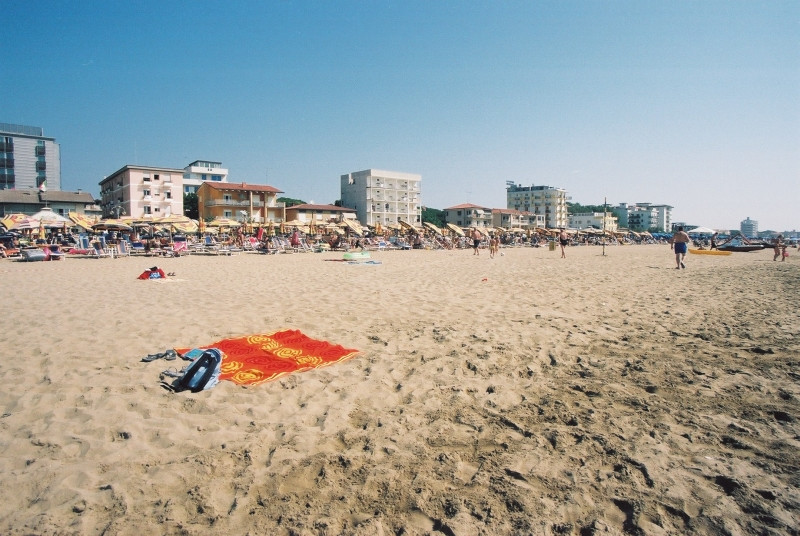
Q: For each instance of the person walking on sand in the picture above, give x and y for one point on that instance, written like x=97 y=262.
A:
x=777 y=247
x=563 y=239
x=476 y=240
x=680 y=244
x=493 y=246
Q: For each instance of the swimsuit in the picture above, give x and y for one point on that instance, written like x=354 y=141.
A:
x=564 y=242
x=680 y=247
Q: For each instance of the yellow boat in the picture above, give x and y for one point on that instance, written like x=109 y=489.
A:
x=709 y=252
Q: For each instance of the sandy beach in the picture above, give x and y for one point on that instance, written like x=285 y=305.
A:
x=526 y=394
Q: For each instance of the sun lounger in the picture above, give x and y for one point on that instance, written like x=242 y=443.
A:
x=122 y=249
x=33 y=255
x=137 y=248
x=98 y=250
x=54 y=252
x=180 y=247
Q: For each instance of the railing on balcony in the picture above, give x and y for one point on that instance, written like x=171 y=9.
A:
x=40 y=151
x=232 y=203
x=41 y=166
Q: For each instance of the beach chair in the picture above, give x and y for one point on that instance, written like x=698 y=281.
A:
x=281 y=245
x=180 y=247
x=98 y=250
x=136 y=247
x=122 y=249
x=210 y=245
x=251 y=243
x=54 y=252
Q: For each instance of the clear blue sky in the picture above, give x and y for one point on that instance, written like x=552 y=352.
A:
x=693 y=104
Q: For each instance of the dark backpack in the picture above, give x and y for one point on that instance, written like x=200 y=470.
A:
x=202 y=373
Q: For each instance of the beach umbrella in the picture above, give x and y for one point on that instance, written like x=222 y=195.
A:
x=111 y=225
x=353 y=226
x=49 y=219
x=12 y=221
x=81 y=220
x=432 y=227
x=223 y=222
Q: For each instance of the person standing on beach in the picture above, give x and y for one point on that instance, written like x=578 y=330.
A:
x=563 y=239
x=493 y=246
x=476 y=240
x=680 y=244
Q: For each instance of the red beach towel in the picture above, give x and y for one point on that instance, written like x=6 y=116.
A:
x=256 y=359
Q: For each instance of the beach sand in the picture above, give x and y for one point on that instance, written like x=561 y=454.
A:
x=526 y=394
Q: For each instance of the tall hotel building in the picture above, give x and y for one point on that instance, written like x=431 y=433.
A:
x=540 y=200
x=383 y=197
x=28 y=159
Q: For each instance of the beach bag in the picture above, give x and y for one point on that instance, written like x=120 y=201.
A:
x=153 y=273
x=201 y=374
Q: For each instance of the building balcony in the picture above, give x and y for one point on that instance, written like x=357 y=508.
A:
x=233 y=203
x=40 y=151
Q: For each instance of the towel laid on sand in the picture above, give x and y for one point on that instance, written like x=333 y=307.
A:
x=256 y=359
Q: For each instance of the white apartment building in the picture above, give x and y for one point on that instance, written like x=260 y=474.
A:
x=142 y=191
x=749 y=228
x=383 y=197
x=28 y=159
x=546 y=201
x=202 y=170
x=644 y=217
x=597 y=220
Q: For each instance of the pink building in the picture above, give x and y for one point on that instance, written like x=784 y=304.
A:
x=142 y=191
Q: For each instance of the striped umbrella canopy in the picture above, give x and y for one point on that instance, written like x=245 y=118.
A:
x=223 y=222
x=11 y=221
x=82 y=220
x=111 y=225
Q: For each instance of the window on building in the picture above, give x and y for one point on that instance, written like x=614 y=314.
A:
x=156 y=177
x=147 y=209
x=146 y=193
x=168 y=195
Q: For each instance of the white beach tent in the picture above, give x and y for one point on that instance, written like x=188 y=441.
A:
x=701 y=230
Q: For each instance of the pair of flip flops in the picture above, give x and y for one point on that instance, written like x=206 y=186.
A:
x=169 y=355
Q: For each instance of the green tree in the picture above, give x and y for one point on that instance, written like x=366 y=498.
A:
x=433 y=215
x=290 y=202
x=577 y=208
x=190 y=206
